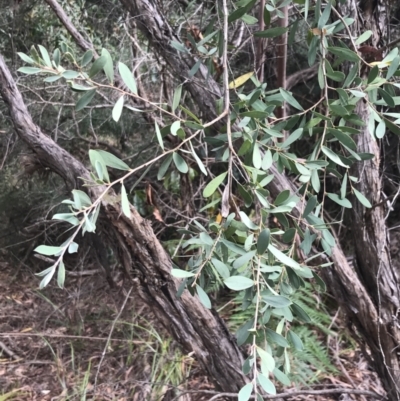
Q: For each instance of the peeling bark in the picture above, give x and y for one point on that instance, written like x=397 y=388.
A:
x=197 y=329
x=373 y=264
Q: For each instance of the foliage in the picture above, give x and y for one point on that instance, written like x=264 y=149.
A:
x=268 y=263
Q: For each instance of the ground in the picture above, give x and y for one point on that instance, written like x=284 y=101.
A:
x=88 y=342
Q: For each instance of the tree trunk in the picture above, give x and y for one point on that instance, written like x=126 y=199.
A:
x=373 y=264
x=197 y=329
x=342 y=280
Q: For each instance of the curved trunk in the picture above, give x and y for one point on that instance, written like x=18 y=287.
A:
x=373 y=264
x=197 y=329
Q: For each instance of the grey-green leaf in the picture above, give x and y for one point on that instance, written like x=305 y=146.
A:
x=180 y=163
x=266 y=384
x=111 y=161
x=238 y=283
x=127 y=77
x=245 y=392
x=342 y=202
x=362 y=199
x=177 y=97
x=178 y=273
x=48 y=250
x=85 y=99
x=108 y=67
x=288 y=97
x=97 y=66
x=213 y=185
x=45 y=56
x=126 y=209
x=205 y=300
x=117 y=109
x=263 y=241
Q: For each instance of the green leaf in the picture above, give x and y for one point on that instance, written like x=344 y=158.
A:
x=393 y=67
x=81 y=199
x=266 y=384
x=53 y=78
x=26 y=58
x=45 y=56
x=221 y=268
x=245 y=392
x=312 y=202
x=73 y=247
x=117 y=109
x=362 y=199
x=276 y=338
x=294 y=136
x=279 y=375
x=57 y=57
x=238 y=13
x=47 y=278
x=263 y=241
x=61 y=274
x=283 y=258
x=288 y=97
x=333 y=156
x=246 y=220
x=175 y=127
x=364 y=37
x=180 y=163
x=343 y=138
x=271 y=33
x=267 y=161
x=87 y=58
x=204 y=299
x=256 y=156
x=126 y=209
x=344 y=53
x=386 y=97
x=29 y=70
x=108 y=67
x=127 y=77
x=267 y=361
x=85 y=99
x=343 y=187
x=380 y=130
x=164 y=167
x=282 y=197
x=277 y=301
x=159 y=136
x=48 y=250
x=181 y=273
x=323 y=19
x=68 y=217
x=198 y=161
x=295 y=340
x=213 y=185
x=97 y=66
x=342 y=202
x=238 y=283
x=300 y=313
x=177 y=97
x=111 y=161
x=244 y=259
x=373 y=74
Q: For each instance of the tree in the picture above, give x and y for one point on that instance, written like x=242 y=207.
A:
x=262 y=175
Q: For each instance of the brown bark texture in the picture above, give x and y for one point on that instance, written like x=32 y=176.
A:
x=370 y=303
x=197 y=329
x=374 y=267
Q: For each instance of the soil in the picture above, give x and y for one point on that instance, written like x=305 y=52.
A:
x=88 y=342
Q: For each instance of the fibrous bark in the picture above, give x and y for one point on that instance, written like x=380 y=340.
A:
x=379 y=277
x=197 y=329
